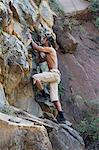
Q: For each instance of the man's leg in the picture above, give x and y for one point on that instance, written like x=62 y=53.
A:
x=46 y=77
x=57 y=105
x=60 y=117
x=39 y=85
x=38 y=79
x=55 y=99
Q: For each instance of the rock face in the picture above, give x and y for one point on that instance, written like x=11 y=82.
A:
x=61 y=140
x=46 y=13
x=65 y=40
x=2 y=97
x=22 y=134
x=18 y=64
x=72 y=8
x=24 y=11
x=81 y=69
x=79 y=65
x=88 y=57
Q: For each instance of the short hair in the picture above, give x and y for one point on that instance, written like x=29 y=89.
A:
x=51 y=40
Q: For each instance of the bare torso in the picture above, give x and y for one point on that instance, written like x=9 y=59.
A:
x=51 y=55
x=52 y=59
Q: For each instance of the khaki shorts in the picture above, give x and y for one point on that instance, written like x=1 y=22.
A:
x=52 y=77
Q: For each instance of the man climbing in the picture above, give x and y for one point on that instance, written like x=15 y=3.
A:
x=52 y=76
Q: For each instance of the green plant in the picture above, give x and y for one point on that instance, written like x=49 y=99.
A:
x=97 y=23
x=95 y=9
x=56 y=7
x=61 y=89
x=95 y=5
x=89 y=128
x=73 y=23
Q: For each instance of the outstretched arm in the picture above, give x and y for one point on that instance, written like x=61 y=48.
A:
x=40 y=48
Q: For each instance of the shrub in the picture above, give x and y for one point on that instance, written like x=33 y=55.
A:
x=89 y=129
x=97 y=22
x=95 y=5
x=95 y=10
x=55 y=6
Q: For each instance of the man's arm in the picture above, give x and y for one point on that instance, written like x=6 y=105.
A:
x=40 y=48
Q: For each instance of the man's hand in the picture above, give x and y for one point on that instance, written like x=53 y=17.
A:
x=30 y=37
x=34 y=45
x=42 y=55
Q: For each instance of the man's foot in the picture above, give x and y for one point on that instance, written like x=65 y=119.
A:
x=44 y=95
x=61 y=119
x=41 y=96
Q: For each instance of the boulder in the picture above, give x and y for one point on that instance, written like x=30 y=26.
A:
x=29 y=132
x=65 y=40
x=12 y=50
x=15 y=74
x=24 y=11
x=6 y=16
x=15 y=55
x=23 y=98
x=62 y=139
x=22 y=33
x=17 y=133
x=93 y=105
x=71 y=8
x=79 y=81
x=46 y=13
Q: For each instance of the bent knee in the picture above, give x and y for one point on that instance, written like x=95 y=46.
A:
x=35 y=79
x=34 y=76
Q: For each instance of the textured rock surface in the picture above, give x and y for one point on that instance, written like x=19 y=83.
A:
x=65 y=40
x=71 y=7
x=80 y=76
x=46 y=13
x=22 y=135
x=87 y=55
x=25 y=99
x=2 y=97
x=12 y=50
x=6 y=16
x=61 y=140
x=24 y=11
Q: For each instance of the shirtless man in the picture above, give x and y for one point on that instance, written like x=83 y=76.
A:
x=52 y=77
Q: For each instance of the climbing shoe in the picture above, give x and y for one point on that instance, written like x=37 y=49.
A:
x=42 y=96
x=61 y=119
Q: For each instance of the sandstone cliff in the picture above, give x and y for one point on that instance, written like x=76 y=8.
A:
x=26 y=122
x=18 y=129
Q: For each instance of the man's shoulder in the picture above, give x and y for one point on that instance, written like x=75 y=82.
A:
x=53 y=50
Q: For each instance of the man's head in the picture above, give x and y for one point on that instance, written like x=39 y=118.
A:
x=48 y=40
